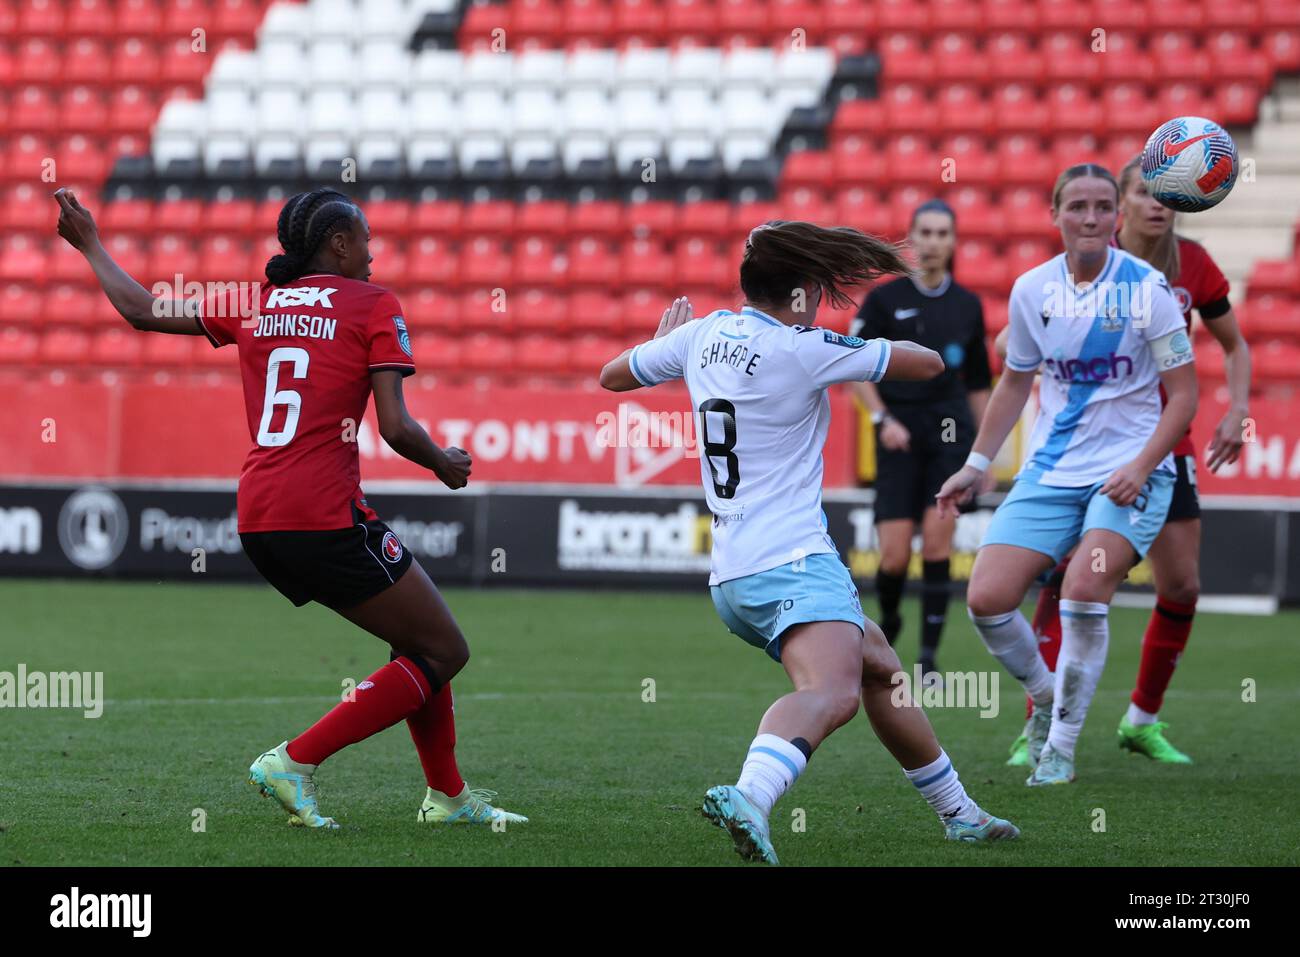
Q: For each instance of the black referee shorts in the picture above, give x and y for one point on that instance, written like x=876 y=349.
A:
x=337 y=568
x=907 y=482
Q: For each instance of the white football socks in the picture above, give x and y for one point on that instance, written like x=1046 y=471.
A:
x=1085 y=635
x=1137 y=717
x=1010 y=638
x=771 y=767
x=942 y=789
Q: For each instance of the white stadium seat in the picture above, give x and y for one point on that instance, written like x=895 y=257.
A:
x=283 y=62
x=591 y=68
x=438 y=68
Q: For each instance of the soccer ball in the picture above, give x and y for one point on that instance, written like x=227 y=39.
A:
x=1189 y=164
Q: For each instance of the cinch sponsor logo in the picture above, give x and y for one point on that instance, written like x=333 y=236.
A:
x=102 y=910
x=1091 y=370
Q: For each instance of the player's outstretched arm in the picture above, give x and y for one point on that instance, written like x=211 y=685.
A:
x=1004 y=408
x=136 y=304
x=910 y=362
x=1228 y=439
x=1125 y=483
x=407 y=437
x=617 y=375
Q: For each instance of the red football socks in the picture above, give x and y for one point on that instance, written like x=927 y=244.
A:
x=433 y=729
x=392 y=693
x=1162 y=645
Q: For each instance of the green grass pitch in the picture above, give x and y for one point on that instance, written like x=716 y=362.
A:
x=550 y=713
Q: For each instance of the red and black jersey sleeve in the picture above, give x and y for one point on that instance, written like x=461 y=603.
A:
x=224 y=308
x=1200 y=275
x=389 y=337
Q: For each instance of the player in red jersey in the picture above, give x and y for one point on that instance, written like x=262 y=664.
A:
x=1147 y=231
x=314 y=343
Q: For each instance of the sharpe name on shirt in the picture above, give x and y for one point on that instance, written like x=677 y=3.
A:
x=735 y=356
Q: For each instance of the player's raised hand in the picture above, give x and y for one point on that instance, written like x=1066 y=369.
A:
x=1124 y=484
x=678 y=314
x=454 y=468
x=958 y=490
x=76 y=225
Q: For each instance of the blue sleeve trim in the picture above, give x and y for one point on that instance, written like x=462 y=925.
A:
x=636 y=371
x=883 y=365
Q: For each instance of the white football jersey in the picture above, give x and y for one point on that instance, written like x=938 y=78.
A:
x=758 y=390
x=1099 y=395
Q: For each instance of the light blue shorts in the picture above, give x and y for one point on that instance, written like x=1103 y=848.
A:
x=761 y=606
x=1052 y=520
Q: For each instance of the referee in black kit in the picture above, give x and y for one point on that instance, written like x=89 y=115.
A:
x=924 y=430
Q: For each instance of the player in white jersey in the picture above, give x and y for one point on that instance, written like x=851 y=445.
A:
x=1106 y=331
x=758 y=380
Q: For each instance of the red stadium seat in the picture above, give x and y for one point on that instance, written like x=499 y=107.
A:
x=977 y=216
x=1074 y=109
x=594 y=310
x=813 y=168
x=1017 y=109
x=903 y=61
x=487 y=310
x=706 y=218
x=1010 y=59
x=548 y=218
x=1128 y=107
x=22 y=258
x=90 y=18
x=88 y=62
x=140 y=18
x=41 y=19
x=538 y=262
x=588 y=354
x=489 y=218
x=135 y=61
x=390 y=218
x=962 y=109
x=181 y=63
x=639 y=310
x=592 y=262
x=440 y=218
x=857 y=161
x=649 y=220
x=34 y=111
x=238 y=18
x=1120 y=15
x=432 y=261
x=1237 y=103
x=858 y=116
x=436 y=310
x=699 y=262
x=24 y=208
x=85 y=109
x=118 y=347
x=1270 y=316
x=910 y=159
x=484 y=261
x=77 y=305
x=863 y=209
x=487 y=353
x=538 y=21
x=64 y=347
x=391 y=266
x=1023 y=160
x=543 y=354
x=644 y=262
x=170 y=254
x=1071 y=148
x=1026 y=254
x=18 y=346
x=1276 y=276
x=171 y=352
x=132 y=109
x=234 y=217
x=541 y=310
x=898 y=15
x=1125 y=59
x=909 y=110
x=1028 y=212
x=179 y=216
x=21 y=303
x=639 y=22
x=588 y=22
x=1073 y=15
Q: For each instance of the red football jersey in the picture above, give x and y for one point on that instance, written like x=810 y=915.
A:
x=1199 y=283
x=306 y=360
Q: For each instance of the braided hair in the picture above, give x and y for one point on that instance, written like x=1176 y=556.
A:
x=304 y=223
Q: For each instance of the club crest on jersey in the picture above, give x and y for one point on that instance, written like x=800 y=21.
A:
x=1112 y=321
x=403 y=338
x=1183 y=298
x=849 y=342
x=391 y=548
x=300 y=296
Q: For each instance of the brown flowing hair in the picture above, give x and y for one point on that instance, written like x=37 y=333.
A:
x=783 y=255
x=1164 y=254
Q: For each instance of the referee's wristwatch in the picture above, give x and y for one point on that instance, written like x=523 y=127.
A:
x=880 y=418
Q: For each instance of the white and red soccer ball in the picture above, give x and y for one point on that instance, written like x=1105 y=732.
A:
x=1189 y=164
